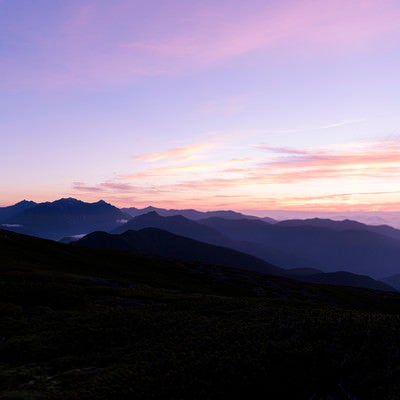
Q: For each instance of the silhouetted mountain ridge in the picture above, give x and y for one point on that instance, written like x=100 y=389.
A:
x=154 y=241
x=177 y=224
x=357 y=251
x=344 y=278
x=393 y=281
x=67 y=216
x=344 y=225
x=314 y=243
x=10 y=211
x=187 y=213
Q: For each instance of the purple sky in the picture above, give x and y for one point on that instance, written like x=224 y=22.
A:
x=206 y=104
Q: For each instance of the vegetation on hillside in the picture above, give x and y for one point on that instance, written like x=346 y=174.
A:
x=79 y=323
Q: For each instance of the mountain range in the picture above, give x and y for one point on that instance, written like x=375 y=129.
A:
x=326 y=245
x=360 y=251
x=157 y=242
x=153 y=241
x=345 y=225
x=320 y=244
x=11 y=211
x=175 y=224
x=64 y=217
x=190 y=213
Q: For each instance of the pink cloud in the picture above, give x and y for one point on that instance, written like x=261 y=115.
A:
x=121 y=187
x=178 y=153
x=178 y=171
x=82 y=187
x=283 y=150
x=316 y=25
x=376 y=162
x=103 y=43
x=373 y=160
x=103 y=187
x=282 y=177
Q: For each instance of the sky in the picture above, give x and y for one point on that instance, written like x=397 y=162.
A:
x=246 y=105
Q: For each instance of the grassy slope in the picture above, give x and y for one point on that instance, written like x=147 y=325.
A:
x=77 y=323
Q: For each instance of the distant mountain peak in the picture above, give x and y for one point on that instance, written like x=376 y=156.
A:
x=73 y=201
x=69 y=200
x=25 y=202
x=65 y=217
x=151 y=214
x=189 y=213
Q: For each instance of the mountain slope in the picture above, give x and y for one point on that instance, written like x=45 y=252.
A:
x=343 y=278
x=196 y=230
x=152 y=241
x=67 y=217
x=345 y=225
x=357 y=251
x=158 y=242
x=393 y=281
x=176 y=224
x=10 y=211
x=81 y=323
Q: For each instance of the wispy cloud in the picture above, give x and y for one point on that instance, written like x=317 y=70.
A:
x=177 y=171
x=177 y=154
x=339 y=25
x=117 y=186
x=87 y=47
x=379 y=160
x=343 y=122
x=112 y=186
x=83 y=187
x=282 y=177
x=282 y=150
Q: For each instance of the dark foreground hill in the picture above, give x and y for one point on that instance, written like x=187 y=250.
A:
x=344 y=278
x=78 y=323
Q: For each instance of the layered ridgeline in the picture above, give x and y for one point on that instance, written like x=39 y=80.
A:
x=71 y=217
x=326 y=245
x=64 y=217
x=178 y=225
x=191 y=213
x=81 y=323
x=329 y=246
x=152 y=241
x=360 y=250
x=340 y=226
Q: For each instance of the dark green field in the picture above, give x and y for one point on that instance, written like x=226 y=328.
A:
x=80 y=323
